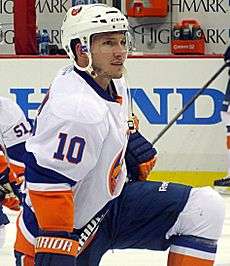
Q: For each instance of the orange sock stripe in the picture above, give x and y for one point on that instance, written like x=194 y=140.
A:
x=54 y=209
x=175 y=259
x=22 y=244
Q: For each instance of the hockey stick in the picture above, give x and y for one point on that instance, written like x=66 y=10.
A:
x=227 y=64
x=186 y=106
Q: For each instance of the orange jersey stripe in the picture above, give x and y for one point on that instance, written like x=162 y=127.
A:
x=21 y=244
x=175 y=259
x=54 y=209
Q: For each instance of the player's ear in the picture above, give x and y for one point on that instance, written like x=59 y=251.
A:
x=81 y=56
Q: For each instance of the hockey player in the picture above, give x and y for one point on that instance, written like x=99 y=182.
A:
x=79 y=205
x=223 y=185
x=14 y=130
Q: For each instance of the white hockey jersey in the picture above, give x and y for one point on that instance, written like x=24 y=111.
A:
x=79 y=141
x=14 y=130
x=13 y=125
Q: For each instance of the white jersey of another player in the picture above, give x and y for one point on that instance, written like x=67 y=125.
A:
x=79 y=142
x=13 y=124
x=14 y=130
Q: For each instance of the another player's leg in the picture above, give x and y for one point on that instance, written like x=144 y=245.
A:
x=3 y=221
x=25 y=238
x=197 y=230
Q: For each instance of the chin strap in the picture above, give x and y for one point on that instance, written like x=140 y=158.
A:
x=89 y=69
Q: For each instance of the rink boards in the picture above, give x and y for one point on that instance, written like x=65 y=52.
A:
x=192 y=150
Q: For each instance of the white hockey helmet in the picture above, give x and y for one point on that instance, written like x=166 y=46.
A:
x=82 y=21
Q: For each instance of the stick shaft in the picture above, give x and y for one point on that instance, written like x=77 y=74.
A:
x=186 y=106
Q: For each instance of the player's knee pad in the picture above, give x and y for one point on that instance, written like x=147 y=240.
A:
x=203 y=215
x=2 y=235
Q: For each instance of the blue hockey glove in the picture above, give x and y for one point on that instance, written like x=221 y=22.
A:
x=56 y=249
x=140 y=157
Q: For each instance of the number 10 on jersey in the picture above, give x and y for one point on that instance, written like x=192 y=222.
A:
x=75 y=147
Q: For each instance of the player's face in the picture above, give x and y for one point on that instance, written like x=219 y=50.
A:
x=109 y=52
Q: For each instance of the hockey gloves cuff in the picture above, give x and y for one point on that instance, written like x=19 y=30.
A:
x=140 y=157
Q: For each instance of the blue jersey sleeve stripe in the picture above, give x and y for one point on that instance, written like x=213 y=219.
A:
x=16 y=152
x=35 y=173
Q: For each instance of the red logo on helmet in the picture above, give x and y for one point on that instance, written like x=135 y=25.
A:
x=75 y=11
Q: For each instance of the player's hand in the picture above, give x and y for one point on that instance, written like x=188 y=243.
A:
x=16 y=185
x=55 y=248
x=8 y=197
x=133 y=123
x=140 y=157
x=10 y=200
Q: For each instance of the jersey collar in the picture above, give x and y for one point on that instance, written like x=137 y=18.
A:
x=96 y=87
